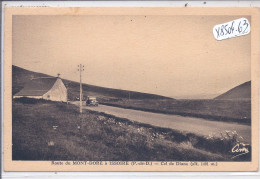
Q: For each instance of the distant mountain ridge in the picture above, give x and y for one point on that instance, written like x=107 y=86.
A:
x=21 y=76
x=242 y=91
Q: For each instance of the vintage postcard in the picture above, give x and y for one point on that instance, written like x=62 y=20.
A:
x=131 y=89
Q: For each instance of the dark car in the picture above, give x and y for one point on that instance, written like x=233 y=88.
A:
x=91 y=101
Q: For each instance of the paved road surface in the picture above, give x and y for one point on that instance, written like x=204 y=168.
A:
x=185 y=124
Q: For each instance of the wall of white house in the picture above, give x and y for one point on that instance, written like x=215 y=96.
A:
x=57 y=93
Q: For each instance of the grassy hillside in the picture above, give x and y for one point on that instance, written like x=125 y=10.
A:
x=219 y=110
x=45 y=130
x=22 y=76
x=214 y=109
x=242 y=91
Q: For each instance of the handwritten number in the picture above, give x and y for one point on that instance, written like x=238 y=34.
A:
x=222 y=31
x=232 y=29
x=245 y=23
x=239 y=28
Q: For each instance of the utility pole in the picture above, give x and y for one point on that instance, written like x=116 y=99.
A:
x=81 y=68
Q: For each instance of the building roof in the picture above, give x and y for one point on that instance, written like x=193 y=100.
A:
x=37 y=87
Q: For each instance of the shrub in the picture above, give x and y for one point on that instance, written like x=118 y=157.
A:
x=222 y=143
x=26 y=100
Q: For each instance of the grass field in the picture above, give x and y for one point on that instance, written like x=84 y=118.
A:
x=222 y=110
x=44 y=130
x=225 y=110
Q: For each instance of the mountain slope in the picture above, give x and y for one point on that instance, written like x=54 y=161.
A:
x=21 y=77
x=242 y=91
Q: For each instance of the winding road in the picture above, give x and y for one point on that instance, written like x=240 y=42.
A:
x=194 y=125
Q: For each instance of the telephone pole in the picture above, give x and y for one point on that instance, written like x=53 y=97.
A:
x=80 y=69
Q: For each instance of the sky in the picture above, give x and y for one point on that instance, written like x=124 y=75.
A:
x=174 y=56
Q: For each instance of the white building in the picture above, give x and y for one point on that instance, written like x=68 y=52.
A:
x=48 y=88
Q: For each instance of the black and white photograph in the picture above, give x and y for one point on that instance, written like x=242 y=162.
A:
x=142 y=87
